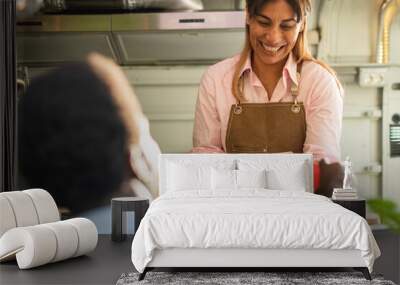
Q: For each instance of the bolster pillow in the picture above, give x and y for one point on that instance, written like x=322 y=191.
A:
x=40 y=244
x=26 y=208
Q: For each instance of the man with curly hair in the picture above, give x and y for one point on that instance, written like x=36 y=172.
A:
x=83 y=137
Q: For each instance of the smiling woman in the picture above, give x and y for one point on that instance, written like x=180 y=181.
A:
x=273 y=33
x=274 y=96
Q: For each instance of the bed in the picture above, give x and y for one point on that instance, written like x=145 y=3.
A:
x=246 y=211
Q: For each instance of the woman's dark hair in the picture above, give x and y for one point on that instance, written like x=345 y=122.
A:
x=300 y=8
x=72 y=140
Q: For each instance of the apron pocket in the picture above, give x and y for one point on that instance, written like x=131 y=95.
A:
x=249 y=149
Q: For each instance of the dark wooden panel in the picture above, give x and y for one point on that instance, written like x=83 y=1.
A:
x=357 y=206
x=8 y=108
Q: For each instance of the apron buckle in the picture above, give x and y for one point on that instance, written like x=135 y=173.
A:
x=295 y=108
x=237 y=110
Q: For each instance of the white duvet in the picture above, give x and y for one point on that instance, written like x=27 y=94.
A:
x=250 y=219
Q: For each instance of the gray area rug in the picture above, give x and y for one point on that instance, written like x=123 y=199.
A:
x=243 y=278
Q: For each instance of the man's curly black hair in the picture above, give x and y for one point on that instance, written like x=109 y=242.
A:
x=72 y=140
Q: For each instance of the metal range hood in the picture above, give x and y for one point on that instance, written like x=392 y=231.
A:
x=132 y=38
x=96 y=6
x=178 y=37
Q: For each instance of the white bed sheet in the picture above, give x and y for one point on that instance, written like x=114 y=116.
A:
x=251 y=218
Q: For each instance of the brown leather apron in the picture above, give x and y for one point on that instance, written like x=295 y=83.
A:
x=267 y=127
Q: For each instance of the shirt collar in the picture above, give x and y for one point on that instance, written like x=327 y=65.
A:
x=290 y=70
x=288 y=74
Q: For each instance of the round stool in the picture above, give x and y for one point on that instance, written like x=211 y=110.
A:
x=119 y=207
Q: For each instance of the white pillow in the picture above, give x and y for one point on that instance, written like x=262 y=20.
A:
x=293 y=179
x=188 y=177
x=251 y=178
x=223 y=179
x=236 y=179
x=280 y=174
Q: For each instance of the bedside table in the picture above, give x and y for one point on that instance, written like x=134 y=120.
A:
x=357 y=205
x=119 y=207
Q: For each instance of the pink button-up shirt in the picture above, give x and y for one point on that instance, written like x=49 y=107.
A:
x=318 y=90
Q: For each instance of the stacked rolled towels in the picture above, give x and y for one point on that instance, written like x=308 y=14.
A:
x=31 y=230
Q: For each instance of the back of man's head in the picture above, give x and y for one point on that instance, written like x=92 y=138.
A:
x=72 y=140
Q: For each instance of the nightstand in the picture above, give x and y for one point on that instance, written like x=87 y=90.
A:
x=357 y=205
x=119 y=207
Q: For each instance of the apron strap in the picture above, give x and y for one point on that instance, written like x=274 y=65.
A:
x=294 y=89
x=238 y=109
x=241 y=87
